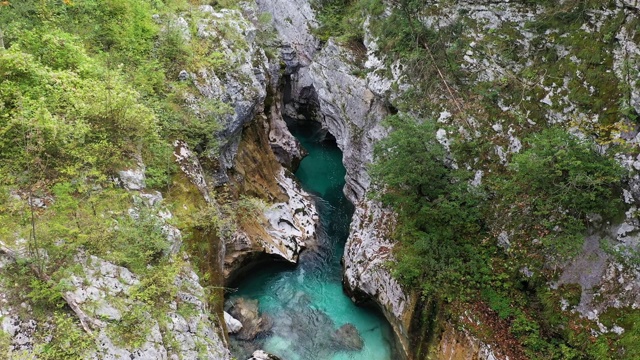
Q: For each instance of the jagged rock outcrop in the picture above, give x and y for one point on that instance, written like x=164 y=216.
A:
x=282 y=229
x=366 y=275
x=287 y=228
x=105 y=291
x=285 y=147
x=285 y=217
x=239 y=81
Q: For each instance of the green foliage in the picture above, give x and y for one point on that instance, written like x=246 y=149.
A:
x=249 y=208
x=133 y=328
x=212 y=221
x=67 y=123
x=443 y=247
x=173 y=50
x=430 y=58
x=68 y=340
x=88 y=79
x=160 y=166
x=543 y=200
x=498 y=303
x=340 y=18
x=158 y=286
x=439 y=214
x=156 y=290
x=47 y=294
x=411 y=162
x=86 y=92
x=557 y=182
x=136 y=242
x=5 y=344
x=55 y=48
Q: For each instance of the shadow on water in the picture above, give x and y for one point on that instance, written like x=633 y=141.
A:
x=309 y=317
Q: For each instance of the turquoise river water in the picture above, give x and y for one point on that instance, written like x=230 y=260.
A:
x=307 y=303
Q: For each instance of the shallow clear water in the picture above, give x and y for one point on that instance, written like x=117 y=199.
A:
x=307 y=303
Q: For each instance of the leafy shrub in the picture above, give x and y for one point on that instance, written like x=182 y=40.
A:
x=68 y=340
x=137 y=241
x=439 y=214
x=558 y=181
x=498 y=303
x=68 y=124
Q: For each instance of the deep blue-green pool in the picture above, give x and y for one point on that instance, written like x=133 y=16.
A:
x=307 y=303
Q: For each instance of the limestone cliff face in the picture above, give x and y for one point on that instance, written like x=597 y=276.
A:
x=289 y=217
x=246 y=167
x=323 y=79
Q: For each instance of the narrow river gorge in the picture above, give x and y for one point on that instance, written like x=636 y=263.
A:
x=311 y=316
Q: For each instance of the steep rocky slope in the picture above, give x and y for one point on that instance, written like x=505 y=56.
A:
x=517 y=67
x=179 y=323
x=162 y=310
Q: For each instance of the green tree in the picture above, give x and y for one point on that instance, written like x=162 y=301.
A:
x=556 y=183
x=439 y=213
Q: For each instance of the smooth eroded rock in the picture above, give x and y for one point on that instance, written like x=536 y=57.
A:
x=233 y=325
x=253 y=324
x=262 y=355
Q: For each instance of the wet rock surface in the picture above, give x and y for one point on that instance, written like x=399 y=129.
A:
x=348 y=337
x=263 y=355
x=253 y=323
x=233 y=325
x=303 y=326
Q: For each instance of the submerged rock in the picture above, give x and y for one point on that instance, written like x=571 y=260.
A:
x=253 y=324
x=348 y=337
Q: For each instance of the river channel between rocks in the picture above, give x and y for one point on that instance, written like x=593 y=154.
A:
x=304 y=313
